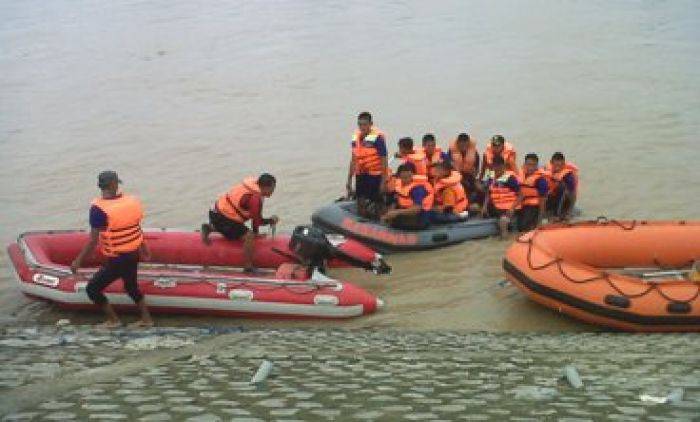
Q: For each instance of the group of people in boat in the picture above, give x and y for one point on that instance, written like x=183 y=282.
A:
x=432 y=186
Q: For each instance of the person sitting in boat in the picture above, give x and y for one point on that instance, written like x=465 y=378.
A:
x=413 y=200
x=115 y=227
x=464 y=158
x=368 y=164
x=563 y=187
x=232 y=209
x=534 y=187
x=451 y=201
x=407 y=154
x=433 y=153
x=503 y=197
x=498 y=148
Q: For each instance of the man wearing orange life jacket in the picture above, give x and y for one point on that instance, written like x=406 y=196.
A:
x=242 y=203
x=432 y=153
x=413 y=196
x=563 y=187
x=464 y=158
x=504 y=196
x=368 y=164
x=115 y=220
x=533 y=185
x=451 y=201
x=407 y=154
x=498 y=148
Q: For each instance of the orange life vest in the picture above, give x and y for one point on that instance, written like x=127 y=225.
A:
x=229 y=204
x=501 y=195
x=528 y=186
x=454 y=182
x=367 y=159
x=464 y=163
x=123 y=233
x=554 y=179
x=435 y=158
x=403 y=193
x=508 y=155
x=417 y=158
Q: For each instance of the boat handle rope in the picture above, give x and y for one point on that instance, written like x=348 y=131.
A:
x=603 y=275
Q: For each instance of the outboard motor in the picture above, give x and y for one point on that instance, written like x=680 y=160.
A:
x=312 y=247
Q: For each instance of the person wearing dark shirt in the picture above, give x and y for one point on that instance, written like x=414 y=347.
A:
x=368 y=164
x=464 y=157
x=413 y=200
x=533 y=184
x=115 y=222
x=563 y=189
x=234 y=208
x=503 y=197
x=433 y=153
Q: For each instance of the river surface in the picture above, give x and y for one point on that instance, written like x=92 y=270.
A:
x=185 y=98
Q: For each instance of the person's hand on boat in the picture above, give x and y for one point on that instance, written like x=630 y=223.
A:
x=388 y=216
x=145 y=254
x=74 y=266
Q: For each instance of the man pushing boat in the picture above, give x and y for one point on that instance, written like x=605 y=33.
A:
x=115 y=221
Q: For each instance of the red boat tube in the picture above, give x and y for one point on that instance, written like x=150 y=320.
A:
x=188 y=277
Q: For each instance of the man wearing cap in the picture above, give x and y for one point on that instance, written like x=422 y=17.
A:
x=115 y=221
x=498 y=147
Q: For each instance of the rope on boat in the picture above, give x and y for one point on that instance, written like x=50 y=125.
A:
x=603 y=275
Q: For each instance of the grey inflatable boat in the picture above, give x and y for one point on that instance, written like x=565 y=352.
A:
x=340 y=217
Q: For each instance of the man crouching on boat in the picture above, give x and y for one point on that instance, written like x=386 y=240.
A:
x=115 y=221
x=413 y=200
x=232 y=209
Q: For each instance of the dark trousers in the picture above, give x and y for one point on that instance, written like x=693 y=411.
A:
x=558 y=203
x=124 y=266
x=528 y=217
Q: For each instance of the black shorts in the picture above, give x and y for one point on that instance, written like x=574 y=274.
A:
x=228 y=228
x=528 y=217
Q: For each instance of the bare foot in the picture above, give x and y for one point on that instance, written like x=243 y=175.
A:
x=142 y=324
x=109 y=325
x=206 y=230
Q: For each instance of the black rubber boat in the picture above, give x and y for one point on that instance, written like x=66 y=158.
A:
x=341 y=217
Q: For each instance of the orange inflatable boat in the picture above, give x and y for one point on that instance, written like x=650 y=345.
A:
x=628 y=275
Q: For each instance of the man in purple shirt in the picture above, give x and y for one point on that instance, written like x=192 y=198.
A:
x=368 y=164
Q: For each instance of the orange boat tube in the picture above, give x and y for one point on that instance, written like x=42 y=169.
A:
x=626 y=275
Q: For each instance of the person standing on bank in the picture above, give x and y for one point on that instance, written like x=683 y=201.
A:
x=232 y=209
x=368 y=163
x=115 y=221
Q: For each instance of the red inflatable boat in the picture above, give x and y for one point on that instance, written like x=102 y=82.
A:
x=187 y=276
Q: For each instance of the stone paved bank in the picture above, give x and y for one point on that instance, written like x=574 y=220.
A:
x=203 y=375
